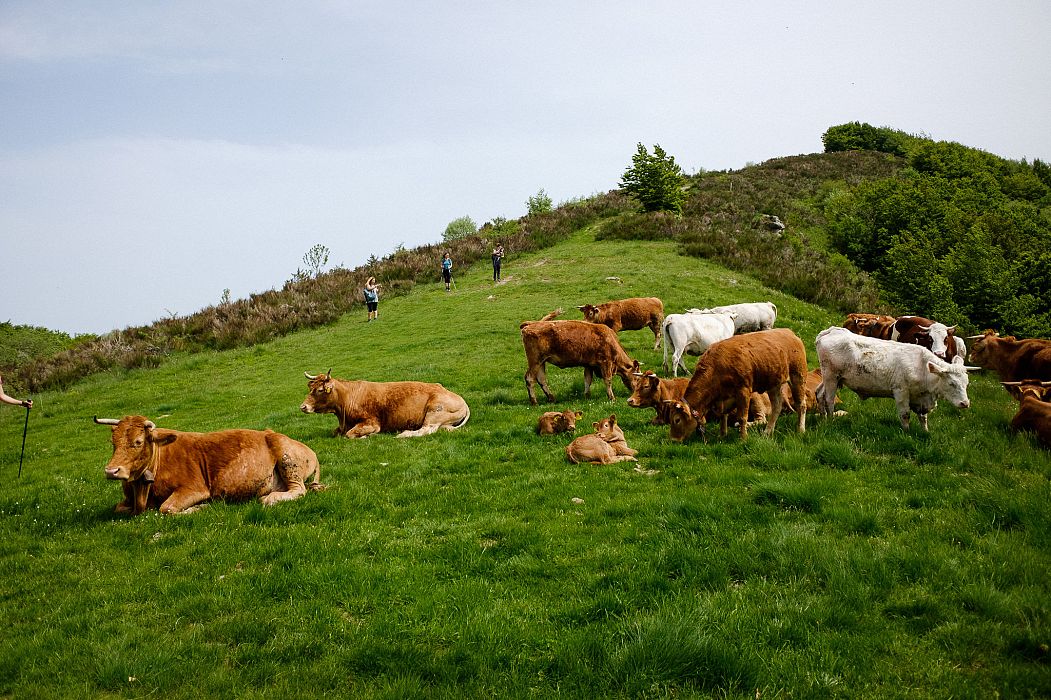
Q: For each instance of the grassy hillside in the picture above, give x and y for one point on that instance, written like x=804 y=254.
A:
x=852 y=561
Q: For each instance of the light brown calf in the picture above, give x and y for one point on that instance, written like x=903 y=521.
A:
x=553 y=422
x=605 y=446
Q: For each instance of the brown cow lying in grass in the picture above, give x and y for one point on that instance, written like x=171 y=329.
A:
x=175 y=471
x=604 y=446
x=410 y=409
x=553 y=422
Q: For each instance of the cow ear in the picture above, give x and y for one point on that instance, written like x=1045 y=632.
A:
x=578 y=414
x=165 y=439
x=613 y=419
x=934 y=369
x=148 y=477
x=595 y=425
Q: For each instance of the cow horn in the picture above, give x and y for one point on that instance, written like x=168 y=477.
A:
x=106 y=421
x=310 y=376
x=975 y=337
x=1045 y=383
x=1011 y=383
x=150 y=425
x=581 y=307
x=972 y=369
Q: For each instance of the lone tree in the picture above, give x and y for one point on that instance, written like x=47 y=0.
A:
x=459 y=228
x=655 y=180
x=539 y=203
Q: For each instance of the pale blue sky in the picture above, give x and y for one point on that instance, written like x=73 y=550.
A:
x=153 y=154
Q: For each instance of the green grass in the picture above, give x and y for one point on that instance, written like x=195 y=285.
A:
x=852 y=561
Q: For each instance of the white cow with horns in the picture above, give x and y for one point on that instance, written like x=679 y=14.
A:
x=910 y=374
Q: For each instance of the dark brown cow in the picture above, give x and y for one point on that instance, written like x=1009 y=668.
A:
x=573 y=344
x=409 y=409
x=175 y=471
x=1034 y=415
x=734 y=368
x=914 y=330
x=1012 y=359
x=553 y=422
x=1029 y=387
x=628 y=315
x=604 y=446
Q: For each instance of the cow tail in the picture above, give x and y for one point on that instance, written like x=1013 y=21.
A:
x=465 y=418
x=664 y=332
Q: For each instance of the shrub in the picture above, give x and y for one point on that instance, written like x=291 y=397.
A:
x=459 y=229
x=539 y=203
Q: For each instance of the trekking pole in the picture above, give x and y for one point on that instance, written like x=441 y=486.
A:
x=24 y=431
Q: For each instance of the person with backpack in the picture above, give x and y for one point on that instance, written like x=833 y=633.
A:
x=372 y=298
x=447 y=270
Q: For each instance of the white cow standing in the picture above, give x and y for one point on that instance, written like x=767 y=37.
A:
x=910 y=374
x=693 y=333
x=751 y=316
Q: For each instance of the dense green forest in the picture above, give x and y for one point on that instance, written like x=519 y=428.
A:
x=959 y=234
x=882 y=221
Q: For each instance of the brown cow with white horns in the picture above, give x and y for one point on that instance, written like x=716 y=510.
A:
x=573 y=344
x=410 y=409
x=628 y=315
x=734 y=368
x=175 y=471
x=1012 y=359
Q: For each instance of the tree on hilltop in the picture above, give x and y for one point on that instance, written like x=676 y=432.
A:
x=459 y=228
x=655 y=180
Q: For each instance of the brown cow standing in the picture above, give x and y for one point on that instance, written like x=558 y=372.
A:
x=553 y=422
x=410 y=409
x=605 y=446
x=174 y=470
x=733 y=368
x=1012 y=359
x=628 y=315
x=573 y=344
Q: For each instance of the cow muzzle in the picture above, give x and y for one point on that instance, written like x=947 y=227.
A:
x=117 y=473
x=306 y=408
x=963 y=404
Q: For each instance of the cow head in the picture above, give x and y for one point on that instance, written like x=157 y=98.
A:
x=644 y=389
x=951 y=381
x=684 y=421
x=135 y=441
x=983 y=347
x=608 y=430
x=937 y=337
x=1030 y=387
x=320 y=396
x=568 y=419
x=591 y=313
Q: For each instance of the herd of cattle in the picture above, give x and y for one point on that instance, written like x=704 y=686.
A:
x=748 y=372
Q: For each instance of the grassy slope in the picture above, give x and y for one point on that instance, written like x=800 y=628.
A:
x=852 y=561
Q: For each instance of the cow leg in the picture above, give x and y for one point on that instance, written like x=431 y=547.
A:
x=128 y=504
x=294 y=476
x=589 y=376
x=923 y=421
x=656 y=328
x=777 y=401
x=677 y=362
x=364 y=429
x=541 y=377
x=828 y=388
x=431 y=422
x=902 y=402
x=798 y=386
x=529 y=381
x=607 y=378
x=183 y=500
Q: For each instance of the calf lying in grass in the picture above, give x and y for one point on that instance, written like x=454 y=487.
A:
x=553 y=422
x=604 y=446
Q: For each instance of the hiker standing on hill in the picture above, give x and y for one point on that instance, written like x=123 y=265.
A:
x=372 y=298
x=498 y=255
x=28 y=403
x=447 y=270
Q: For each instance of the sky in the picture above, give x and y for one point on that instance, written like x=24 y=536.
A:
x=155 y=154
